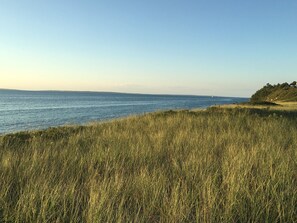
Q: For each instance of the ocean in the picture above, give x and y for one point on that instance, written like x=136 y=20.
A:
x=29 y=110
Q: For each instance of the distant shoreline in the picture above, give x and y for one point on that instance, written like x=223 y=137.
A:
x=120 y=93
x=278 y=106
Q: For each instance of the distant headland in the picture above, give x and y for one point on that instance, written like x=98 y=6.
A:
x=276 y=93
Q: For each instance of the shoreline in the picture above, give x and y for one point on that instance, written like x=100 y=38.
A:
x=280 y=107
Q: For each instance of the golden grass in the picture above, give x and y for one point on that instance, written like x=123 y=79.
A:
x=209 y=166
x=281 y=106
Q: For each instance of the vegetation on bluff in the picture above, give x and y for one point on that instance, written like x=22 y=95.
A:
x=208 y=166
x=278 y=92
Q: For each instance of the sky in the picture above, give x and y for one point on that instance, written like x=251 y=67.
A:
x=201 y=47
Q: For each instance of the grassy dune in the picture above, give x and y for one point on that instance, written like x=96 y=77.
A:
x=216 y=165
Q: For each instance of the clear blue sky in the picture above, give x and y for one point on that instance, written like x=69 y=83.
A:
x=205 y=47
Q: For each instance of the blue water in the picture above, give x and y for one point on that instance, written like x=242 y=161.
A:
x=27 y=110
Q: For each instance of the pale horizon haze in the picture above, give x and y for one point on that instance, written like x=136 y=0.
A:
x=214 y=47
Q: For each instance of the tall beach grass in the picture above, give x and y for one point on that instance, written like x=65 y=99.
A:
x=179 y=166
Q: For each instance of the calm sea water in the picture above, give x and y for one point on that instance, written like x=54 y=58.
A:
x=27 y=110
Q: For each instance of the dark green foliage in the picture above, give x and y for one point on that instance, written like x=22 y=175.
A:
x=278 y=92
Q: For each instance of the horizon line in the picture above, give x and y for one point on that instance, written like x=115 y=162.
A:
x=115 y=92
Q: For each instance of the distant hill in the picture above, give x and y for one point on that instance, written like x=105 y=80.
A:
x=278 y=92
